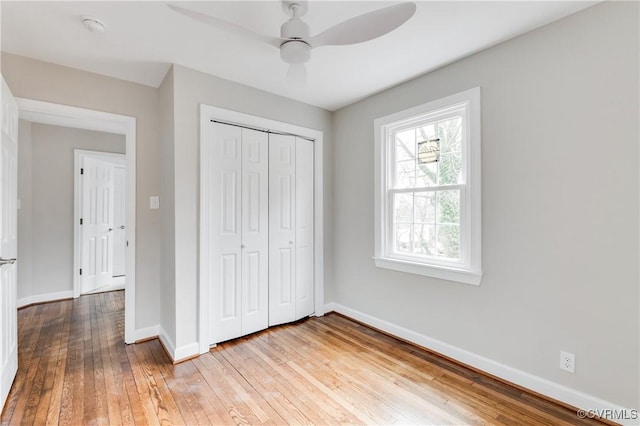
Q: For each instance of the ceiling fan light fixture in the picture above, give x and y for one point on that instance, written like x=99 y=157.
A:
x=296 y=75
x=295 y=52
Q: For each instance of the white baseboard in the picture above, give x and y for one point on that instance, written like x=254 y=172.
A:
x=167 y=342
x=114 y=286
x=42 y=298
x=146 y=333
x=180 y=353
x=187 y=351
x=537 y=384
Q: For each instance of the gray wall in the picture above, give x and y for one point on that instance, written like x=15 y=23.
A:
x=48 y=201
x=559 y=203
x=32 y=79
x=191 y=88
x=167 y=209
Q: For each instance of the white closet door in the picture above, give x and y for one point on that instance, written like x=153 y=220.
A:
x=282 y=229
x=255 y=231
x=304 y=229
x=223 y=185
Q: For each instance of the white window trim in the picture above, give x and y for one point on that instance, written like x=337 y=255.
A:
x=471 y=271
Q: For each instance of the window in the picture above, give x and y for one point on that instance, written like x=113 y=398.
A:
x=428 y=189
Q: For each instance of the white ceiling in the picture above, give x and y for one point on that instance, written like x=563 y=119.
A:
x=143 y=38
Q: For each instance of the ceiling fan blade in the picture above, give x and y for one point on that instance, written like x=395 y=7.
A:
x=226 y=26
x=365 y=27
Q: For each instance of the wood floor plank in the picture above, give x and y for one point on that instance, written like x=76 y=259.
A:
x=268 y=383
x=177 y=401
x=60 y=358
x=163 y=407
x=246 y=406
x=394 y=395
x=398 y=398
x=382 y=385
x=74 y=368
x=329 y=411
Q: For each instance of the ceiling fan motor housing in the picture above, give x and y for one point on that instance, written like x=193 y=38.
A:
x=294 y=28
x=295 y=52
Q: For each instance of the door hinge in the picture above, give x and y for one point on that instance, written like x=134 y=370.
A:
x=80 y=221
x=81 y=171
x=80 y=271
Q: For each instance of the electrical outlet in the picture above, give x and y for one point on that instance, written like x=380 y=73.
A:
x=567 y=361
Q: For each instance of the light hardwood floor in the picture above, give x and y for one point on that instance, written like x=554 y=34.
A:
x=75 y=369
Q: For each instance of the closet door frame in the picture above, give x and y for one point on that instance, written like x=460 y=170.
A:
x=208 y=113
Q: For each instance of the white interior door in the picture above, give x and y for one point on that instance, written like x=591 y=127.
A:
x=119 y=220
x=304 y=229
x=223 y=186
x=97 y=224
x=255 y=231
x=282 y=229
x=8 y=243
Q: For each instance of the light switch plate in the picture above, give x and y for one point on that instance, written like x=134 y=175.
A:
x=154 y=202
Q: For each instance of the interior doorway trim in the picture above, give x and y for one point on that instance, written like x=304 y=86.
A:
x=208 y=113
x=82 y=118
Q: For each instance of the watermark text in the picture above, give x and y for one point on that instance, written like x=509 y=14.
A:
x=608 y=414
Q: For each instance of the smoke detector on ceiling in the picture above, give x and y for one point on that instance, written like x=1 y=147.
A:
x=93 y=24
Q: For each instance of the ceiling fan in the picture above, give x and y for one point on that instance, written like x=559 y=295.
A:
x=295 y=43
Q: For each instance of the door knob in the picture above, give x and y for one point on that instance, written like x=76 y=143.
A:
x=110 y=229
x=121 y=226
x=4 y=261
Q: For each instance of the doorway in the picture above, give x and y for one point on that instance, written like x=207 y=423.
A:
x=100 y=225
x=81 y=118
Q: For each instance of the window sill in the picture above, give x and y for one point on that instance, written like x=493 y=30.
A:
x=450 y=274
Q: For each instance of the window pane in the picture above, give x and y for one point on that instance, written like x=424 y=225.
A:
x=402 y=238
x=449 y=241
x=426 y=132
x=403 y=208
x=448 y=207
x=450 y=168
x=426 y=175
x=405 y=145
x=425 y=239
x=405 y=174
x=425 y=207
x=450 y=134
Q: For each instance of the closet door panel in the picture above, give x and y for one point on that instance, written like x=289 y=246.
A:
x=304 y=208
x=255 y=231
x=282 y=229
x=224 y=194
